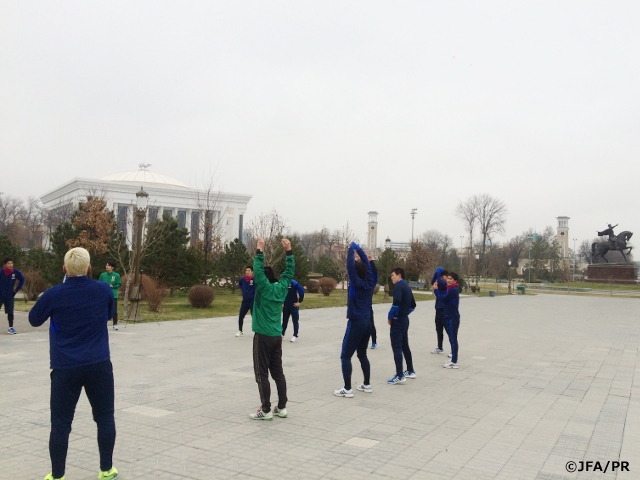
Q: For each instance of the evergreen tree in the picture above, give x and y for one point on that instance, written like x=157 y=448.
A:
x=387 y=262
x=302 y=262
x=328 y=268
x=9 y=249
x=232 y=264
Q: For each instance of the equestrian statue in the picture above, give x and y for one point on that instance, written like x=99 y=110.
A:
x=614 y=242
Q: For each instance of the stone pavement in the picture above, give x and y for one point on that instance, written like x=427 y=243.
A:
x=544 y=380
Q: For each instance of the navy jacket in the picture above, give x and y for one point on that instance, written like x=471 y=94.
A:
x=295 y=291
x=403 y=302
x=79 y=310
x=451 y=302
x=248 y=289
x=360 y=291
x=442 y=286
x=8 y=282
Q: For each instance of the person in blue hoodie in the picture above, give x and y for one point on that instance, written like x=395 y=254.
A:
x=438 y=278
x=451 y=301
x=356 y=337
x=79 y=310
x=291 y=308
x=11 y=281
x=398 y=318
x=248 y=289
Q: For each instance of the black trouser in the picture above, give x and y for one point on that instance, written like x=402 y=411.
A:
x=66 y=385
x=356 y=338
x=267 y=358
x=115 y=312
x=440 y=326
x=374 y=336
x=294 y=312
x=399 y=333
x=8 y=308
x=247 y=305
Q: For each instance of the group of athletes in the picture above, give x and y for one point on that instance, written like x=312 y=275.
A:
x=79 y=308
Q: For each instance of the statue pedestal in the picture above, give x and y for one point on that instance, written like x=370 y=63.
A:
x=610 y=272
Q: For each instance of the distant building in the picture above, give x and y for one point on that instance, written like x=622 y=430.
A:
x=167 y=196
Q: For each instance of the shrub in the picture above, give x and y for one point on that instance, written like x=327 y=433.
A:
x=313 y=286
x=153 y=293
x=201 y=296
x=34 y=285
x=327 y=285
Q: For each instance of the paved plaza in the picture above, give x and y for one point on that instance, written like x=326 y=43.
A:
x=543 y=380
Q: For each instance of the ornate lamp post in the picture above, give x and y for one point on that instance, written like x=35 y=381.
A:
x=142 y=200
x=387 y=243
x=509 y=276
x=574 y=259
x=414 y=211
x=477 y=268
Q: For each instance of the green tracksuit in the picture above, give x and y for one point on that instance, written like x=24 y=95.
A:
x=114 y=281
x=267 y=306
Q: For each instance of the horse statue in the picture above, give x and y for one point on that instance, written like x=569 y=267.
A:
x=615 y=242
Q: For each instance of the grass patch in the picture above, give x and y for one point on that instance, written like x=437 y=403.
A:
x=225 y=304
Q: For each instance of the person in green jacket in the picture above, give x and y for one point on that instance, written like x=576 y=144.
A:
x=265 y=322
x=115 y=282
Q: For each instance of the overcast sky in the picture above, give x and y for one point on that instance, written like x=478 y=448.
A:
x=326 y=110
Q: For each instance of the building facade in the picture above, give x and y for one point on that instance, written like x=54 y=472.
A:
x=167 y=196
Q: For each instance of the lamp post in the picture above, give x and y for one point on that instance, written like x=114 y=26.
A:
x=142 y=200
x=574 y=259
x=387 y=243
x=529 y=264
x=461 y=238
x=414 y=211
x=509 y=276
x=477 y=268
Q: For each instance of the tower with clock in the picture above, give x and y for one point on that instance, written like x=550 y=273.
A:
x=563 y=236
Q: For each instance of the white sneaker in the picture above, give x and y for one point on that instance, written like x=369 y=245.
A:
x=364 y=388
x=280 y=412
x=294 y=339
x=343 y=392
x=450 y=365
x=409 y=374
x=437 y=350
x=239 y=334
x=260 y=415
x=450 y=355
x=115 y=327
x=283 y=337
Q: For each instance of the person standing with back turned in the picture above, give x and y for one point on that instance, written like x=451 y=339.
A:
x=267 y=341
x=115 y=282
x=79 y=351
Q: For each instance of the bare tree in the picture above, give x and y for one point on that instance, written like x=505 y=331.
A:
x=439 y=243
x=468 y=212
x=343 y=239
x=272 y=227
x=584 y=251
x=309 y=241
x=207 y=229
x=492 y=215
x=10 y=210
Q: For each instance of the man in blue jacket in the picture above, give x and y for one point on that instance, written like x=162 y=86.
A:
x=291 y=308
x=438 y=278
x=79 y=310
x=356 y=337
x=248 y=289
x=403 y=305
x=11 y=281
x=451 y=301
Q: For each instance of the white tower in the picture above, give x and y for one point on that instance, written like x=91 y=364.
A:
x=372 y=234
x=563 y=236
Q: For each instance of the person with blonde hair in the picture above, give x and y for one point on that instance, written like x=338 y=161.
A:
x=79 y=310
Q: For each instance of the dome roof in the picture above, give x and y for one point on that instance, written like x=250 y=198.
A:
x=144 y=176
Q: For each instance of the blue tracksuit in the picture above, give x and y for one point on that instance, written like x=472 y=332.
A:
x=294 y=295
x=356 y=337
x=374 y=336
x=8 y=289
x=248 y=289
x=403 y=305
x=442 y=288
x=451 y=301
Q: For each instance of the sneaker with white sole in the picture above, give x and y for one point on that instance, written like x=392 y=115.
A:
x=11 y=331
x=437 y=350
x=50 y=477
x=450 y=355
x=409 y=374
x=110 y=475
x=450 y=365
x=294 y=339
x=283 y=337
x=396 y=380
x=280 y=412
x=115 y=327
x=343 y=392
x=260 y=415
x=239 y=334
x=364 y=388
x=374 y=346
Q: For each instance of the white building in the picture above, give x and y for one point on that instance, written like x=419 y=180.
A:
x=167 y=196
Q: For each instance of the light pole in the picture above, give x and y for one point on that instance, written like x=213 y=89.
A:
x=529 y=263
x=574 y=259
x=461 y=238
x=509 y=276
x=414 y=211
x=477 y=268
x=142 y=199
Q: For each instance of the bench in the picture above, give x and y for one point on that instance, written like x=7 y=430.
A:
x=414 y=284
